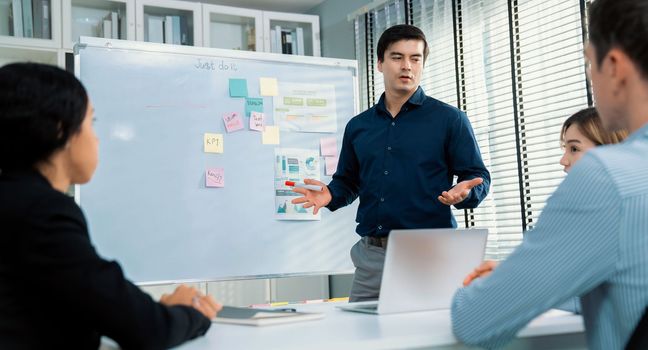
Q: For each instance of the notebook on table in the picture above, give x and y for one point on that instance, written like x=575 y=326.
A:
x=263 y=317
x=423 y=269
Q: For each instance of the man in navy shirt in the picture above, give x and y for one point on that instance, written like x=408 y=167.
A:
x=400 y=157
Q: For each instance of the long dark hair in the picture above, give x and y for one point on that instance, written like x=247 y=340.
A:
x=41 y=106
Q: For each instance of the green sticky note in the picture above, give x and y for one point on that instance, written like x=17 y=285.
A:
x=238 y=88
x=253 y=105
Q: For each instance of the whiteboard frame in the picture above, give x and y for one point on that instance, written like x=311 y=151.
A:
x=352 y=65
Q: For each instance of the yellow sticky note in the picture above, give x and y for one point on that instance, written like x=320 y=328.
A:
x=268 y=86
x=270 y=136
x=213 y=143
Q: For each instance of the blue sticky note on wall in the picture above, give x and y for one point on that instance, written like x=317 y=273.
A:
x=238 y=88
x=253 y=105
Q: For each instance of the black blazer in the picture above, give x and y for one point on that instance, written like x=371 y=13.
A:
x=57 y=293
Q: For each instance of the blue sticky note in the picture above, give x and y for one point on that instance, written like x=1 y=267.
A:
x=238 y=88
x=253 y=105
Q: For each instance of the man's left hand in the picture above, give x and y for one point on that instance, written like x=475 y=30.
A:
x=458 y=193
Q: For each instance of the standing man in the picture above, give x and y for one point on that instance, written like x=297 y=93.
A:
x=592 y=237
x=400 y=157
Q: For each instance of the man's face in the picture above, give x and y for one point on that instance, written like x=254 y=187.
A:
x=402 y=66
x=608 y=101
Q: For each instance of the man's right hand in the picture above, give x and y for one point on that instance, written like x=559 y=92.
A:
x=315 y=199
x=482 y=270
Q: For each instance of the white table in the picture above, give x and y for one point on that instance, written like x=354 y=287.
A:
x=348 y=330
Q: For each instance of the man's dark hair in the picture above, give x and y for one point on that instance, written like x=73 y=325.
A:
x=620 y=24
x=41 y=107
x=397 y=33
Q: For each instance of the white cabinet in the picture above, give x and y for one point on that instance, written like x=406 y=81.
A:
x=38 y=24
x=169 y=21
x=254 y=30
x=113 y=19
x=291 y=33
x=232 y=28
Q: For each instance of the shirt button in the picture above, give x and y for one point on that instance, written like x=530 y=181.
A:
x=393 y=123
x=380 y=227
x=386 y=172
x=382 y=199
x=389 y=148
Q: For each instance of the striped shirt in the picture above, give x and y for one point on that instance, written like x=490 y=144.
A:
x=590 y=241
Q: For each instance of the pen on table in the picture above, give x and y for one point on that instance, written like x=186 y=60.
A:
x=287 y=309
x=301 y=185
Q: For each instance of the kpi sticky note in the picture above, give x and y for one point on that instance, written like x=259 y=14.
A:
x=233 y=121
x=331 y=165
x=257 y=121
x=238 y=88
x=328 y=146
x=213 y=143
x=270 y=135
x=215 y=177
x=268 y=86
x=253 y=105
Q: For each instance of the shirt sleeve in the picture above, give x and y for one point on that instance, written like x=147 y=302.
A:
x=95 y=291
x=465 y=161
x=573 y=248
x=345 y=184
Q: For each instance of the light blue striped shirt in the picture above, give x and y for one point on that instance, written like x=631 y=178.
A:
x=590 y=241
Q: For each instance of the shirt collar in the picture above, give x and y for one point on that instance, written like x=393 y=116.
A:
x=417 y=98
x=641 y=132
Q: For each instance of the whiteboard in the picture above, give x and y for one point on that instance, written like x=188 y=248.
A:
x=148 y=206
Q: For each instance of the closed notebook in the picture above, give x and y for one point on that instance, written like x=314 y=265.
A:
x=263 y=317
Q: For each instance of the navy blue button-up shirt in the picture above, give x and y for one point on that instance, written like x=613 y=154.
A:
x=399 y=166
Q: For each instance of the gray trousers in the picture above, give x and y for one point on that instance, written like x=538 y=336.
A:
x=368 y=261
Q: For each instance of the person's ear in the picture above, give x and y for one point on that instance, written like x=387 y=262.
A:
x=617 y=66
x=379 y=65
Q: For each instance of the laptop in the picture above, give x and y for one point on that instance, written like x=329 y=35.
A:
x=423 y=269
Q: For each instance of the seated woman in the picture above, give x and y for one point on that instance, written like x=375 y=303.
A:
x=56 y=292
x=580 y=132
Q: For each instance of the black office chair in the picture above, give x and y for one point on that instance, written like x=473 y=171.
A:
x=639 y=339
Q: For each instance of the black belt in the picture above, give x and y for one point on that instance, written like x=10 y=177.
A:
x=377 y=241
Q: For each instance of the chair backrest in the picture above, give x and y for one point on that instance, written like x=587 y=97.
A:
x=639 y=339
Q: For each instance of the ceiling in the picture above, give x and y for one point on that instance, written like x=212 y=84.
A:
x=298 y=6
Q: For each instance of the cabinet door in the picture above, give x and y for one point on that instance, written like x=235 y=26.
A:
x=232 y=28
x=111 y=19
x=169 y=22
x=30 y=23
x=291 y=33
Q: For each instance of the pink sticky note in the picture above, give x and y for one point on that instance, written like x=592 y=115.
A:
x=257 y=121
x=215 y=177
x=331 y=165
x=328 y=146
x=233 y=121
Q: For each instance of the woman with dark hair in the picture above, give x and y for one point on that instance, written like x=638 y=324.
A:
x=55 y=290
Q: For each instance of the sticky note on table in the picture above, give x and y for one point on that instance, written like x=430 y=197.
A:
x=233 y=121
x=257 y=121
x=328 y=146
x=213 y=143
x=268 y=86
x=270 y=136
x=238 y=88
x=253 y=105
x=331 y=165
x=215 y=177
